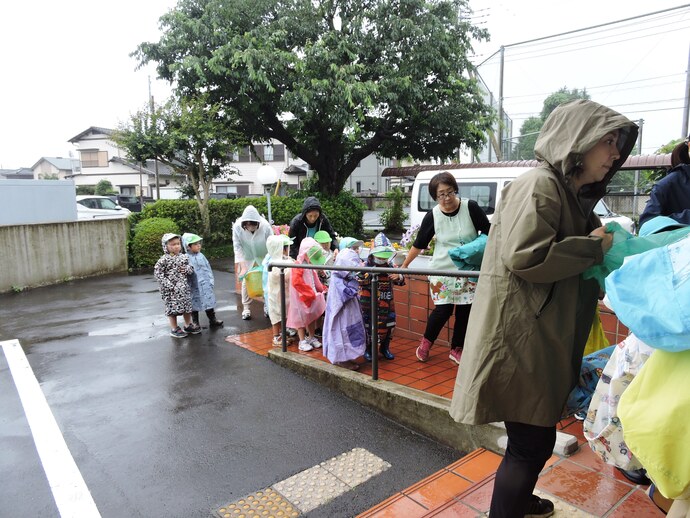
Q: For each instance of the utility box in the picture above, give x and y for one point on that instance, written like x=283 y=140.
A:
x=25 y=202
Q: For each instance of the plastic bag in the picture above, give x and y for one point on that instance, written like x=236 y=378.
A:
x=254 y=284
x=625 y=247
x=602 y=427
x=469 y=256
x=650 y=294
x=590 y=373
x=654 y=412
x=597 y=339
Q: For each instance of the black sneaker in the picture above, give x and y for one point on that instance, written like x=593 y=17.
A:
x=193 y=329
x=539 y=507
x=177 y=333
x=636 y=476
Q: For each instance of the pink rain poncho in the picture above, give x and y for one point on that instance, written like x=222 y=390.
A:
x=307 y=301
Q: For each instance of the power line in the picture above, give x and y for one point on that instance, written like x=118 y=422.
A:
x=597 y=26
x=606 y=86
x=590 y=39
x=667 y=31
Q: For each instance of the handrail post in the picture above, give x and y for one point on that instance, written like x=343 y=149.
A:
x=283 y=316
x=374 y=327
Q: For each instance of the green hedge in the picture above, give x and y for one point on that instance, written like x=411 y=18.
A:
x=344 y=212
x=146 y=245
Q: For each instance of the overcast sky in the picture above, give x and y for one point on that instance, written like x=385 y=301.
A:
x=65 y=65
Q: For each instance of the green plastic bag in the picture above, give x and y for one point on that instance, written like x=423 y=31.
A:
x=625 y=245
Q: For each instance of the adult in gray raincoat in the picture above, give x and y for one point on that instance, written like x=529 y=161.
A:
x=532 y=311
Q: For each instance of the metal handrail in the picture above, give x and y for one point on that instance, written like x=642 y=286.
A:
x=374 y=271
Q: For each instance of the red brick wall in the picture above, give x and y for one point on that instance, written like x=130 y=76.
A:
x=413 y=304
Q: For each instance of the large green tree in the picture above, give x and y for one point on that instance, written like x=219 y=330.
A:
x=193 y=136
x=529 y=131
x=335 y=81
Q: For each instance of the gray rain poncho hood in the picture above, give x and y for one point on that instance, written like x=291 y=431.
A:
x=574 y=128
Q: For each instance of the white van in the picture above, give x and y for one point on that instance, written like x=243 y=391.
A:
x=484 y=185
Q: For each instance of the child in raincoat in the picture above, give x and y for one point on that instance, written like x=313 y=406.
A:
x=380 y=255
x=171 y=271
x=201 y=282
x=307 y=302
x=249 y=234
x=278 y=250
x=344 y=337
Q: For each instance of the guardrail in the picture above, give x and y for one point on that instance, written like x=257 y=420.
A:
x=375 y=272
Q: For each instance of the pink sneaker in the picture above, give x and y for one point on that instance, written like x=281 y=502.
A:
x=455 y=355
x=422 y=351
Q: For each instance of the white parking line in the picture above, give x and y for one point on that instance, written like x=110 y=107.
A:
x=71 y=495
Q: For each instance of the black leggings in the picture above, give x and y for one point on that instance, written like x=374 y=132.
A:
x=440 y=315
x=529 y=447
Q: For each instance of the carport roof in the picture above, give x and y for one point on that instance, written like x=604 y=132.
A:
x=632 y=163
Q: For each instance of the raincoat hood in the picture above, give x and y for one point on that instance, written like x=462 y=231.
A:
x=164 y=241
x=274 y=245
x=189 y=239
x=572 y=130
x=311 y=203
x=250 y=214
x=348 y=257
x=304 y=247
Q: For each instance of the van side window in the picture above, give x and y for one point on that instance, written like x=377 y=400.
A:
x=484 y=193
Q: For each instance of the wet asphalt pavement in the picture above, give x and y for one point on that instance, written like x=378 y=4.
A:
x=160 y=426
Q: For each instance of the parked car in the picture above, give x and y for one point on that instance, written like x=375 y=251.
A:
x=127 y=201
x=99 y=207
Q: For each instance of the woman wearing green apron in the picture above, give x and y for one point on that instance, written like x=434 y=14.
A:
x=454 y=221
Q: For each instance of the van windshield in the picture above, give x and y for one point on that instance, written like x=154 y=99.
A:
x=484 y=193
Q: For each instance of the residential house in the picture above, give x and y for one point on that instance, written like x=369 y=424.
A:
x=54 y=168
x=23 y=173
x=101 y=159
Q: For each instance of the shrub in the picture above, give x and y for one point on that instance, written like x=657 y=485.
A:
x=393 y=218
x=146 y=244
x=344 y=212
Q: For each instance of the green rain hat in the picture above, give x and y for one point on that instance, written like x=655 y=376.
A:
x=322 y=237
x=317 y=255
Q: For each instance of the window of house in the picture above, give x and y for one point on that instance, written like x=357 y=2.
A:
x=94 y=158
x=129 y=190
x=279 y=152
x=226 y=189
x=244 y=155
x=268 y=153
x=358 y=186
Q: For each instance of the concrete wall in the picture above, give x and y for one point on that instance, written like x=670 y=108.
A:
x=36 y=201
x=36 y=255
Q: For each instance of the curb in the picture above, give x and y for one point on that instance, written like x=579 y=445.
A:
x=419 y=411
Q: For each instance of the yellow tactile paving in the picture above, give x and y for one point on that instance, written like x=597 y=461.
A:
x=267 y=503
x=308 y=489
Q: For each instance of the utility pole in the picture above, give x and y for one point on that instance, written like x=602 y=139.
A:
x=636 y=188
x=686 y=107
x=499 y=151
x=155 y=159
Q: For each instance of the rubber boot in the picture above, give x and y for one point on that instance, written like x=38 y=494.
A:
x=212 y=320
x=367 y=351
x=385 y=350
x=195 y=317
